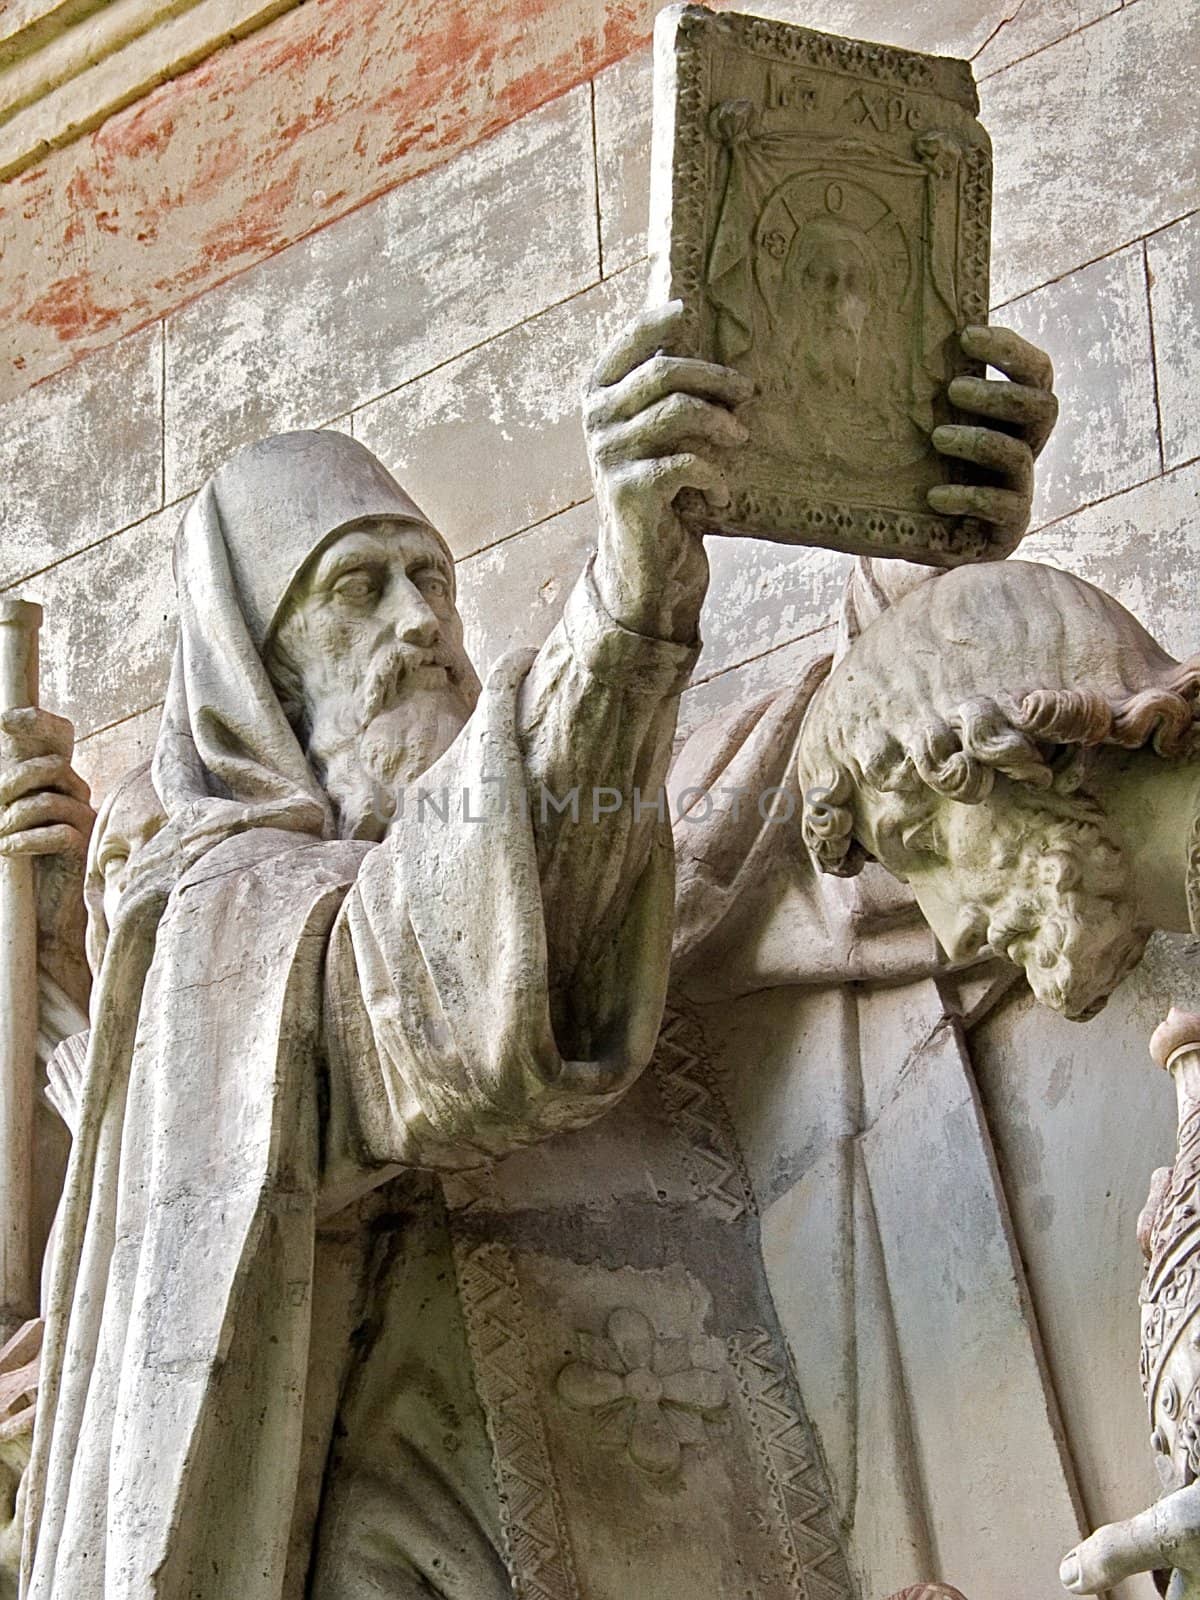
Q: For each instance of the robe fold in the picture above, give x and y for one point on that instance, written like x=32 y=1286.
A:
x=316 y=1015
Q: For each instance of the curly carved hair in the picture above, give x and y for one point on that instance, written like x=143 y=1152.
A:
x=1010 y=668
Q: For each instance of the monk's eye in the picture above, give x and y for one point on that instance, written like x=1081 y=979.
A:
x=112 y=862
x=432 y=583
x=357 y=588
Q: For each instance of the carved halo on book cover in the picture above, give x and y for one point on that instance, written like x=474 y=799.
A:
x=822 y=207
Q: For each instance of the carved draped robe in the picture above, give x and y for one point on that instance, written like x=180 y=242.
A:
x=946 y=1176
x=281 y=1046
x=804 y=1195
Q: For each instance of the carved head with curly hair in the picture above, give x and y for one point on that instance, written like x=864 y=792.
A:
x=1011 y=742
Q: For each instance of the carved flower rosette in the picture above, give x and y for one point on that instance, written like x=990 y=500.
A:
x=648 y=1396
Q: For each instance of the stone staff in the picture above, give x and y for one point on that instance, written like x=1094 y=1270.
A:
x=19 y=624
x=1170 y=1236
x=1165 y=1539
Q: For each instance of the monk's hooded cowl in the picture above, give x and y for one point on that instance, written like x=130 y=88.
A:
x=274 y=1002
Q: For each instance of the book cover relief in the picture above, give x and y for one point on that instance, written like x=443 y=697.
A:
x=822 y=206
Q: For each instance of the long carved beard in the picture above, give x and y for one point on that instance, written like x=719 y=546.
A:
x=370 y=743
x=829 y=349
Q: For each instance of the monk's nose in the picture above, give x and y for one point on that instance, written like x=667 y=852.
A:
x=410 y=617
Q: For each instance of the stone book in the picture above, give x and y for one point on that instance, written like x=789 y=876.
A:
x=822 y=207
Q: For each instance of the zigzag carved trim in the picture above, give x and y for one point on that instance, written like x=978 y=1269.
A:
x=537 y=1547
x=714 y=1161
x=804 y=1515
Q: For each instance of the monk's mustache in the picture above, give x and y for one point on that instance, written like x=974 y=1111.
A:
x=386 y=682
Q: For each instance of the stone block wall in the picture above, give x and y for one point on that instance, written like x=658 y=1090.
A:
x=333 y=224
x=449 y=322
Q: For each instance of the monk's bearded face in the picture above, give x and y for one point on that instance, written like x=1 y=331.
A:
x=370 y=646
x=1041 y=880
x=134 y=819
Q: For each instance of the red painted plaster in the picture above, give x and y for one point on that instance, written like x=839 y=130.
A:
x=267 y=140
x=67 y=308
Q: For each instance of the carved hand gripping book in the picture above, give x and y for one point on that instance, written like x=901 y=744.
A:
x=821 y=206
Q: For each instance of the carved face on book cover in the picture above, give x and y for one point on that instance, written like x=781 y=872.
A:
x=843 y=374
x=833 y=277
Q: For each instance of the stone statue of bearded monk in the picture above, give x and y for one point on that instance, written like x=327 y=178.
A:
x=314 y=990
x=313 y=1000
x=1013 y=744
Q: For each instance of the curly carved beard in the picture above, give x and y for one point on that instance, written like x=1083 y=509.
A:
x=1065 y=911
x=368 y=742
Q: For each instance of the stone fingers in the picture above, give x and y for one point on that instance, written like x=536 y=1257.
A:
x=1011 y=458
x=59 y=840
x=41 y=772
x=1166 y=1536
x=29 y=731
x=662 y=375
x=46 y=823
x=1004 y=508
x=650 y=334
x=665 y=476
x=1034 y=411
x=44 y=806
x=667 y=427
x=1015 y=357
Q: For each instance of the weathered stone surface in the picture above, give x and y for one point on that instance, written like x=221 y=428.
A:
x=690 y=1538
x=707 y=697
x=1001 y=659
x=893 y=1025
x=962 y=1327
x=1080 y=1118
x=1060 y=198
x=1174 y=260
x=75 y=70
x=756 y=603
x=275 y=961
x=19 y=15
x=992 y=36
x=622 y=95
x=103 y=758
x=92 y=671
x=1094 y=324
x=1170 y=1299
x=1140 y=546
x=764 y=595
x=795 y=1094
x=491 y=443
x=406 y=283
x=800 y=253
x=828 y=1281
x=511 y=595
x=81 y=456
x=607 y=1162
x=1028 y=28
x=20 y=1019
x=870 y=1330
x=321 y=111
x=161 y=203
x=966 y=28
